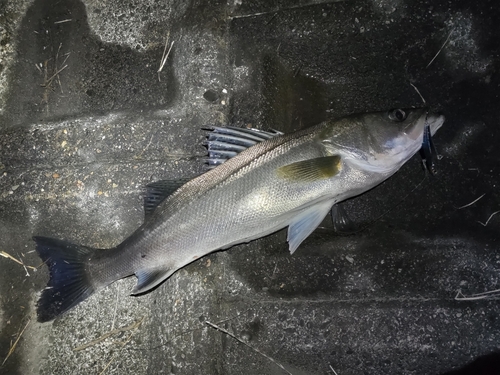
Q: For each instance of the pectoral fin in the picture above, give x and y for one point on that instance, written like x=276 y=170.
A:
x=311 y=170
x=305 y=223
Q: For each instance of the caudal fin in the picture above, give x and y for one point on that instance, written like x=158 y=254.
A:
x=69 y=282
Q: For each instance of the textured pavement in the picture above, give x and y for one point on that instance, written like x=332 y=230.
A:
x=86 y=121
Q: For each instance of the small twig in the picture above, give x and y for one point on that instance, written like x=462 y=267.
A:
x=190 y=331
x=164 y=57
x=145 y=148
x=15 y=343
x=438 y=52
x=471 y=203
x=108 y=334
x=57 y=54
x=123 y=345
x=116 y=308
x=67 y=55
x=8 y=256
x=251 y=347
x=234 y=316
x=473 y=297
x=487 y=221
x=109 y=363
x=49 y=81
x=275 y=266
x=24 y=266
x=46 y=70
x=331 y=368
x=45 y=95
x=63 y=21
x=418 y=92
x=55 y=67
x=64 y=62
x=164 y=51
x=297 y=71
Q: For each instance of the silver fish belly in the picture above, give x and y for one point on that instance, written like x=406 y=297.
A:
x=263 y=182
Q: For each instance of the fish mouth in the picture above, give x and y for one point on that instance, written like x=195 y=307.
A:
x=428 y=151
x=435 y=121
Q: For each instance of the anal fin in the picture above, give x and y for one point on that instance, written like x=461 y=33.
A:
x=149 y=278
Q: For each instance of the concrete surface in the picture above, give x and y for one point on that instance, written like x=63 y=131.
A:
x=86 y=121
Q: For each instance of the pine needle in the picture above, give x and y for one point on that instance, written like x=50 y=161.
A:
x=8 y=256
x=13 y=347
x=251 y=347
x=487 y=221
x=108 y=334
x=474 y=297
x=438 y=52
x=471 y=203
x=122 y=346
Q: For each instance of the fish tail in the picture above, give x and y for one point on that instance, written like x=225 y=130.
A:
x=69 y=282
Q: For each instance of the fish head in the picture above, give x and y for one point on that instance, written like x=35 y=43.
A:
x=380 y=142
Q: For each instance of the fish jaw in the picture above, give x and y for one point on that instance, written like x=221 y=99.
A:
x=435 y=122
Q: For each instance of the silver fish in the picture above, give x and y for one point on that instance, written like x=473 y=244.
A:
x=261 y=182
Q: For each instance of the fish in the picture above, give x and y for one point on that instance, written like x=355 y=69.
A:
x=259 y=182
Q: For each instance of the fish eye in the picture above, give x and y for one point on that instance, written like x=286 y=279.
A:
x=397 y=115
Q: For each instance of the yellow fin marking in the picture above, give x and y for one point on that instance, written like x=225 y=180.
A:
x=312 y=169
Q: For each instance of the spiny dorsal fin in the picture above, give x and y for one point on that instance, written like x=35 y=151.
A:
x=223 y=143
x=312 y=169
x=157 y=192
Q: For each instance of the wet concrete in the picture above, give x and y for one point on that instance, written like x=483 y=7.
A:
x=87 y=121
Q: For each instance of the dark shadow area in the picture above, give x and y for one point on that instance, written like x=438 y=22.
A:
x=64 y=70
x=488 y=364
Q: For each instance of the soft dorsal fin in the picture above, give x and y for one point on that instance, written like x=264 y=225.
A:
x=157 y=192
x=312 y=169
x=305 y=223
x=223 y=143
